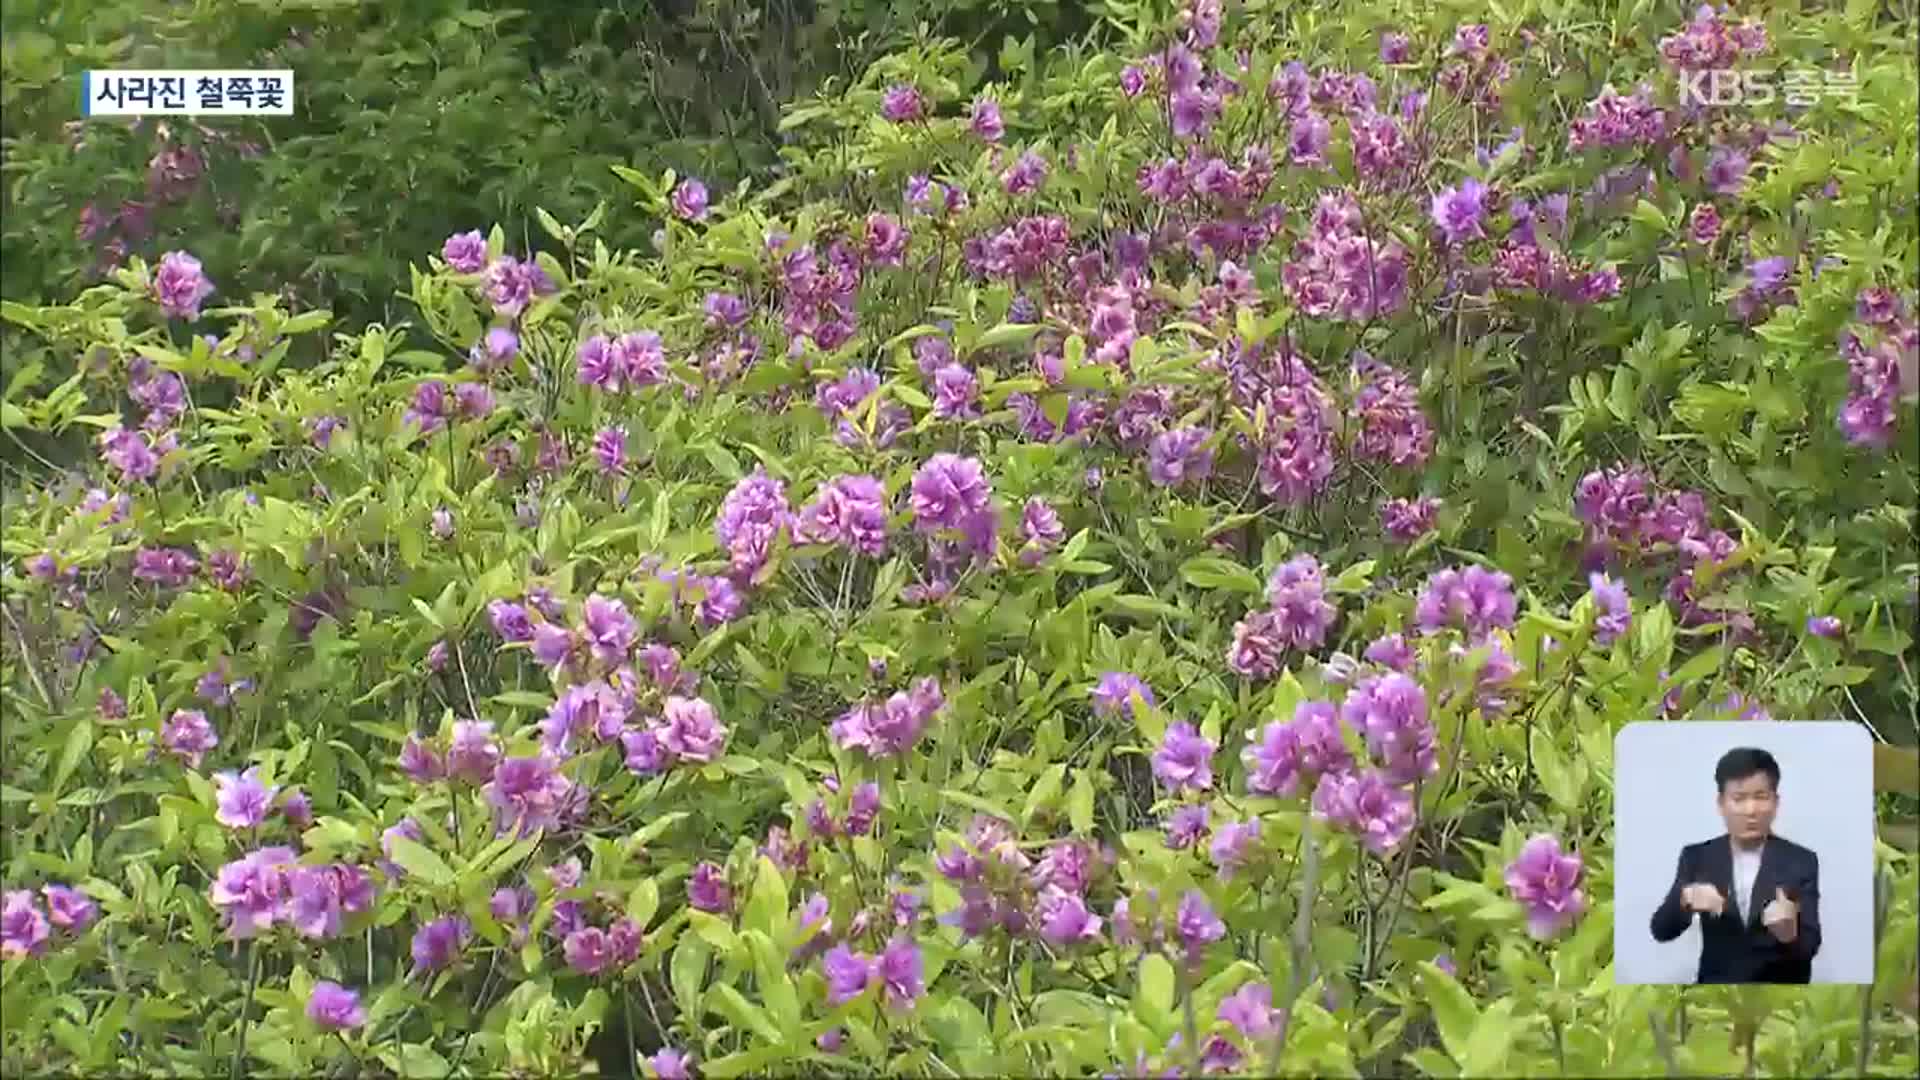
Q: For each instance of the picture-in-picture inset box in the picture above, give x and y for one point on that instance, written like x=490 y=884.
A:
x=1743 y=853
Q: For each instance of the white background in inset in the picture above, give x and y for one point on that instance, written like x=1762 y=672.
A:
x=1664 y=799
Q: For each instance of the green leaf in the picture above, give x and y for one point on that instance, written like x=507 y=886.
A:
x=1008 y=334
x=976 y=802
x=774 y=986
x=714 y=930
x=743 y=1014
x=1492 y=1037
x=1896 y=769
x=688 y=972
x=766 y=909
x=79 y=741
x=755 y=1060
x=523 y=699
x=1145 y=607
x=1353 y=579
x=1080 y=803
x=416 y=1060
x=1044 y=791
x=1699 y=666
x=418 y=862
x=1454 y=1011
x=428 y=614
x=510 y=857
x=1556 y=776
x=643 y=901
x=963 y=1033
x=1153 y=996
x=1213 y=572
x=904 y=336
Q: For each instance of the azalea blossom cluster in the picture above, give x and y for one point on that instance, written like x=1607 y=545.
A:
x=1295 y=448
x=1546 y=880
x=1345 y=267
x=1626 y=515
x=860 y=415
x=889 y=728
x=588 y=947
x=26 y=929
x=1297 y=618
x=1880 y=374
x=270 y=886
x=929 y=491
x=1711 y=40
x=1002 y=887
x=1386 y=418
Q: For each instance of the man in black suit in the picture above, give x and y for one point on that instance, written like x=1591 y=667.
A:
x=1757 y=895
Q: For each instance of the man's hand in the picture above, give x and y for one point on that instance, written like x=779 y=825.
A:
x=1782 y=917
x=1703 y=897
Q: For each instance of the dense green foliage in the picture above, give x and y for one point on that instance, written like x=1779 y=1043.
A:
x=1099 y=541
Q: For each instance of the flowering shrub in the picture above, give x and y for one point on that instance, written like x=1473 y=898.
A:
x=1132 y=568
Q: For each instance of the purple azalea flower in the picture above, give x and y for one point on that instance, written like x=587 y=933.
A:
x=1232 y=846
x=948 y=491
x=1113 y=695
x=1178 y=456
x=588 y=950
x=249 y=890
x=1184 y=760
x=1367 y=804
x=1196 y=924
x=898 y=970
x=1406 y=520
x=1825 y=626
x=986 y=120
x=1250 y=1010
x=902 y=103
x=1459 y=211
x=608 y=629
x=671 y=1064
x=849 y=510
x=437 y=944
x=420 y=762
x=23 y=929
x=1546 y=881
x=1186 y=825
x=180 y=286
x=1296 y=753
x=847 y=972
x=1391 y=712
x=690 y=200
x=1475 y=598
x=1063 y=918
x=68 y=908
x=335 y=1007
x=707 y=889
x=465 y=253
x=1297 y=591
x=692 y=732
x=242 y=801
x=1615 y=607
x=474 y=752
x=956 y=393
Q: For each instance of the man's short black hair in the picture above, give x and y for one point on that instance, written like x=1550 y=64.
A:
x=1742 y=762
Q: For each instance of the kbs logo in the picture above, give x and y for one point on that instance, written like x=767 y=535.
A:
x=1721 y=87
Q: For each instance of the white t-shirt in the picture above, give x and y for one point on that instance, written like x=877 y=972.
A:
x=1746 y=867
